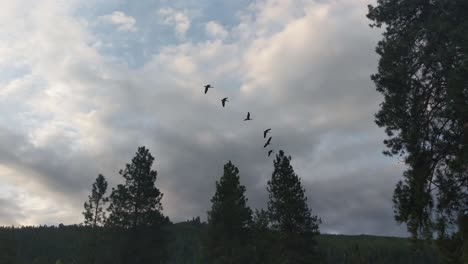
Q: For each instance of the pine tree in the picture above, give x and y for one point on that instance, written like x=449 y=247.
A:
x=137 y=203
x=135 y=209
x=95 y=216
x=422 y=76
x=290 y=215
x=94 y=213
x=229 y=220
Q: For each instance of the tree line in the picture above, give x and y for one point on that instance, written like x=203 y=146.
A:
x=128 y=226
x=235 y=234
x=184 y=244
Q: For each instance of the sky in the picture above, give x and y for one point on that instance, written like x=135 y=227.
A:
x=83 y=84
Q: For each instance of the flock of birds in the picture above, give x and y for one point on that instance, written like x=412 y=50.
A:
x=248 y=118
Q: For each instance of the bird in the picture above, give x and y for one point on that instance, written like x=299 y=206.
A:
x=269 y=152
x=248 y=117
x=208 y=86
x=266 y=132
x=224 y=100
x=268 y=142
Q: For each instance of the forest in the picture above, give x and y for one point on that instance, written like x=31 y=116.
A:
x=70 y=244
x=128 y=226
x=422 y=77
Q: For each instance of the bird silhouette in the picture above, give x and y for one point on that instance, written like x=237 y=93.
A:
x=266 y=132
x=269 y=152
x=267 y=143
x=224 y=100
x=208 y=86
x=248 y=117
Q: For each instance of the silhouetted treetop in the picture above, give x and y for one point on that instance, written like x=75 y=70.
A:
x=137 y=202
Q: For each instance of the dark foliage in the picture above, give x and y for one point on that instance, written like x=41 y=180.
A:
x=137 y=203
x=290 y=215
x=422 y=75
x=94 y=215
x=229 y=220
x=48 y=244
x=94 y=208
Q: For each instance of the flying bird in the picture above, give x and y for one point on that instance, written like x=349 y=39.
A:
x=266 y=132
x=248 y=117
x=208 y=86
x=268 y=142
x=224 y=100
x=269 y=152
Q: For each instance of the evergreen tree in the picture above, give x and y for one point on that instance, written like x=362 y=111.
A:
x=95 y=216
x=94 y=213
x=137 y=203
x=422 y=75
x=290 y=214
x=229 y=220
x=135 y=209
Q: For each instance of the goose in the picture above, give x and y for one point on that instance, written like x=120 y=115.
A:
x=208 y=86
x=267 y=143
x=266 y=132
x=224 y=100
x=269 y=152
x=248 y=117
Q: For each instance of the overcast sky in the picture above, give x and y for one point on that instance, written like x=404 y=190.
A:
x=84 y=83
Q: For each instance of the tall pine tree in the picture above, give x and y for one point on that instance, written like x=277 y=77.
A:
x=137 y=203
x=290 y=215
x=422 y=75
x=229 y=220
x=135 y=209
x=95 y=216
x=94 y=208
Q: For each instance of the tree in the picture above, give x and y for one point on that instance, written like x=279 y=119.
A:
x=135 y=210
x=290 y=215
x=137 y=203
x=229 y=220
x=422 y=75
x=94 y=213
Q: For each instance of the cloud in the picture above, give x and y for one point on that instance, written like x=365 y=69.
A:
x=214 y=29
x=121 y=20
x=176 y=18
x=300 y=67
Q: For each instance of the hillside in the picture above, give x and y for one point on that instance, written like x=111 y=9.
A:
x=46 y=245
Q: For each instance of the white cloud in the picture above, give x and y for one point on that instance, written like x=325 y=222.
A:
x=177 y=18
x=121 y=20
x=214 y=29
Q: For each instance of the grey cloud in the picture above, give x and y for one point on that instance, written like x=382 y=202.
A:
x=10 y=212
x=318 y=101
x=357 y=203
